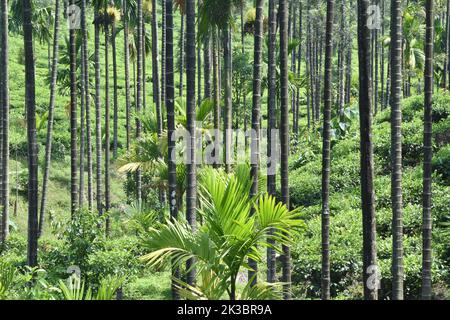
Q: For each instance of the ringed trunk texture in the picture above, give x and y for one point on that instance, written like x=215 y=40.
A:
x=191 y=190
x=4 y=102
x=170 y=96
x=366 y=149
x=396 y=149
x=326 y=151
x=256 y=115
x=272 y=122
x=284 y=137
x=30 y=101
x=428 y=154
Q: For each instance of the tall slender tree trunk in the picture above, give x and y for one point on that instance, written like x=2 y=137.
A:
x=448 y=42
x=341 y=58
x=30 y=101
x=85 y=53
x=51 y=108
x=396 y=149
x=428 y=153
x=115 y=92
x=318 y=74
x=293 y=35
x=163 y=54
x=228 y=113
x=382 y=72
x=272 y=122
x=348 y=62
x=139 y=85
x=446 y=73
x=73 y=122
x=284 y=137
x=299 y=66
x=182 y=55
x=3 y=222
x=199 y=63
x=256 y=115
x=388 y=82
x=191 y=190
x=326 y=151
x=376 y=51
x=207 y=67
x=155 y=68
x=244 y=94
x=170 y=96
x=366 y=148
x=309 y=65
x=144 y=68
x=98 y=113
x=216 y=75
x=126 y=50
x=82 y=126
x=4 y=102
x=107 y=129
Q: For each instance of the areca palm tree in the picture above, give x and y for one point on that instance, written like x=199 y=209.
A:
x=396 y=149
x=271 y=115
x=41 y=15
x=163 y=52
x=87 y=101
x=413 y=33
x=191 y=191
x=446 y=47
x=98 y=113
x=199 y=62
x=48 y=144
x=230 y=234
x=228 y=112
x=428 y=153
x=155 y=68
x=106 y=24
x=139 y=85
x=284 y=135
x=217 y=16
x=2 y=225
x=366 y=150
x=82 y=118
x=216 y=94
x=256 y=115
x=30 y=100
x=126 y=50
x=4 y=101
x=326 y=151
x=73 y=122
x=182 y=46
x=150 y=153
x=206 y=61
x=115 y=16
x=170 y=96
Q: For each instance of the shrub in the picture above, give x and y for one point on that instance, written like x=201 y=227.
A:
x=345 y=248
x=412 y=220
x=412 y=144
x=412 y=188
x=441 y=163
x=345 y=172
x=82 y=236
x=113 y=262
x=60 y=145
x=441 y=133
x=440 y=106
x=305 y=185
x=346 y=262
